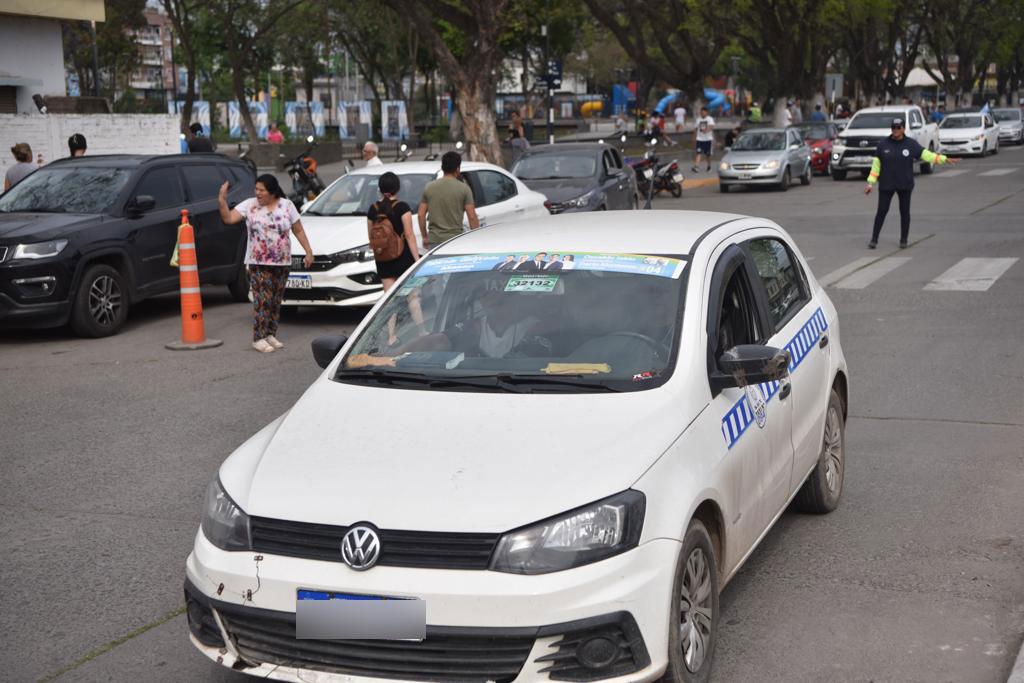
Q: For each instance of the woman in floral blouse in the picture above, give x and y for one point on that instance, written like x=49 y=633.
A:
x=269 y=217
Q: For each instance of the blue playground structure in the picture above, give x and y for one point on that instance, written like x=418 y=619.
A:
x=716 y=101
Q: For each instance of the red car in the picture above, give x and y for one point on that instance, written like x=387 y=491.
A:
x=819 y=136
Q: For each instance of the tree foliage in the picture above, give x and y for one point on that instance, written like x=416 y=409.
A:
x=117 y=50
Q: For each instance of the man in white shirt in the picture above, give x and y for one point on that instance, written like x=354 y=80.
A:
x=704 y=128
x=370 y=150
x=680 y=114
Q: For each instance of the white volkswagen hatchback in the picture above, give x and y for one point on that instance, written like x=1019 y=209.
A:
x=343 y=272
x=541 y=457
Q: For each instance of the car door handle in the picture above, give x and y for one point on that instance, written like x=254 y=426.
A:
x=785 y=390
x=823 y=342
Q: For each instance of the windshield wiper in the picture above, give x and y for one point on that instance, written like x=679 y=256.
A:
x=395 y=376
x=574 y=380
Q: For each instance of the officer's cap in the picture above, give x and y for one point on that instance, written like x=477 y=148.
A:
x=897 y=122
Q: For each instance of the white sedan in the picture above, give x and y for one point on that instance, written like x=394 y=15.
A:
x=343 y=272
x=540 y=457
x=971 y=133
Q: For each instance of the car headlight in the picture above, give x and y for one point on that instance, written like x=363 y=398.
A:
x=363 y=253
x=39 y=249
x=588 y=534
x=224 y=523
x=724 y=166
x=838 y=142
x=772 y=163
x=581 y=201
x=835 y=156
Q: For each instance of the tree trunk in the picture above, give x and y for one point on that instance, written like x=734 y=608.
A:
x=779 y=113
x=238 y=84
x=190 y=95
x=480 y=124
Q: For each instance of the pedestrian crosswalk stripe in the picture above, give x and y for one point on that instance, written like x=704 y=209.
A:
x=971 y=275
x=839 y=273
x=865 y=276
x=952 y=173
x=999 y=171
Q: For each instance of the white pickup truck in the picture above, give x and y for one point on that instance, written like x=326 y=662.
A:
x=855 y=147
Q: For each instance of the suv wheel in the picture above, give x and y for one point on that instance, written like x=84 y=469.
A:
x=101 y=302
x=239 y=286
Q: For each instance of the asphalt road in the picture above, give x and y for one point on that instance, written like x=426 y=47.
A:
x=108 y=445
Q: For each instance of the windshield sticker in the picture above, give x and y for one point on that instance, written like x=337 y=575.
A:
x=644 y=376
x=531 y=283
x=576 y=368
x=541 y=261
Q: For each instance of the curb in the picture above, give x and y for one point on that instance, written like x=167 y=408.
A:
x=703 y=182
x=1017 y=673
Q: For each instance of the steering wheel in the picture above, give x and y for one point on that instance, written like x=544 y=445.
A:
x=660 y=349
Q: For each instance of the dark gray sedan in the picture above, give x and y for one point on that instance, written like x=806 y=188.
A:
x=578 y=177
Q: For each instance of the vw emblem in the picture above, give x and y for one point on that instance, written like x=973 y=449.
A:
x=360 y=548
x=863 y=143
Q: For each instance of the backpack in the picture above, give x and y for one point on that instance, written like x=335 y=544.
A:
x=387 y=245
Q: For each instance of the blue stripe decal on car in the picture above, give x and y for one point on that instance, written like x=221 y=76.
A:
x=741 y=415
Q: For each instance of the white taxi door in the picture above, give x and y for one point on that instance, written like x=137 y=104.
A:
x=756 y=421
x=799 y=325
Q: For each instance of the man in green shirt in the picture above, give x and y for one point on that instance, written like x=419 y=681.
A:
x=445 y=200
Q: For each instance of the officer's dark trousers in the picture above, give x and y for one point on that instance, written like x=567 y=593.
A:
x=884 y=200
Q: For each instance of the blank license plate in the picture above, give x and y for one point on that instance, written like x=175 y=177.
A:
x=299 y=282
x=746 y=176
x=860 y=160
x=344 y=616
x=678 y=177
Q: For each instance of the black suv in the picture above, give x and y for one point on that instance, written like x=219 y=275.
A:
x=83 y=239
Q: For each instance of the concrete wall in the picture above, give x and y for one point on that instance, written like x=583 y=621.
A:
x=105 y=134
x=32 y=50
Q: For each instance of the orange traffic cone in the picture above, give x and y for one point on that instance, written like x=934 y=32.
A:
x=193 y=331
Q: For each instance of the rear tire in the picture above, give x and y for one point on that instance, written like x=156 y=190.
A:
x=838 y=174
x=821 y=492
x=677 y=190
x=693 y=628
x=101 y=302
x=239 y=287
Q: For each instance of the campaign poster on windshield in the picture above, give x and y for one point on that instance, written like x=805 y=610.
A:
x=551 y=262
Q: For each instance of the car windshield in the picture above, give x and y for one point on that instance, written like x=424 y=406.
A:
x=756 y=142
x=1003 y=115
x=813 y=132
x=961 y=122
x=354 y=194
x=525 y=322
x=876 y=120
x=551 y=166
x=66 y=189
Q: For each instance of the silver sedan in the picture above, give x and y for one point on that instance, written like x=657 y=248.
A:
x=766 y=156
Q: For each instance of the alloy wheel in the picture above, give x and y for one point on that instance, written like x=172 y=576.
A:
x=696 y=610
x=833 y=447
x=104 y=300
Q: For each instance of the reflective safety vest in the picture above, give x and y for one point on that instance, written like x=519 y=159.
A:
x=755 y=114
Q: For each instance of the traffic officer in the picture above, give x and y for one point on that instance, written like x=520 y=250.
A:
x=893 y=170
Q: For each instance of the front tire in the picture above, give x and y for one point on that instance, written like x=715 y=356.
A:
x=821 y=492
x=805 y=179
x=787 y=179
x=693 y=627
x=101 y=302
x=677 y=190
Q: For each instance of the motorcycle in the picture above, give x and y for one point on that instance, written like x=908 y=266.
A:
x=669 y=178
x=653 y=178
x=306 y=184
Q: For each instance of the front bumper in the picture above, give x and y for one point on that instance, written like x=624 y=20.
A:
x=528 y=615
x=970 y=147
x=35 y=293
x=852 y=159
x=1011 y=135
x=751 y=177
x=349 y=284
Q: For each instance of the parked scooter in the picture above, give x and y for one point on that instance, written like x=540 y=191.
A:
x=653 y=177
x=306 y=184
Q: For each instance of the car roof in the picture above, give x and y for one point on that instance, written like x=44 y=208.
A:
x=412 y=167
x=886 y=108
x=136 y=160
x=617 y=232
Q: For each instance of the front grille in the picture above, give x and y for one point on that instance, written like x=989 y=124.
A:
x=746 y=167
x=424 y=549
x=263 y=636
x=320 y=263
x=954 y=142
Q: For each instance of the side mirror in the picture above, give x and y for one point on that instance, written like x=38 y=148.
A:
x=327 y=347
x=794 y=146
x=755 y=364
x=140 y=204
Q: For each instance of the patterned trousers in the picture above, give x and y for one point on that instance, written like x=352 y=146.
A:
x=267 y=285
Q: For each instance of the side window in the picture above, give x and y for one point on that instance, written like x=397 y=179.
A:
x=164 y=186
x=616 y=159
x=781 y=277
x=609 y=164
x=240 y=175
x=494 y=187
x=203 y=181
x=737 y=320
